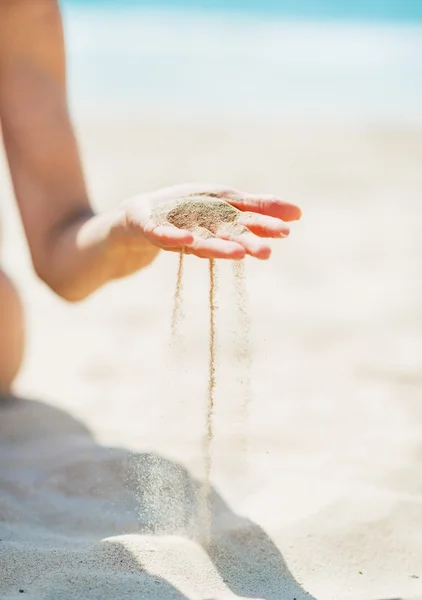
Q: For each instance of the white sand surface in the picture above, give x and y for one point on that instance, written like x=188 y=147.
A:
x=318 y=494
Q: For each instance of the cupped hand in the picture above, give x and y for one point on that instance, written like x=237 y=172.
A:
x=209 y=221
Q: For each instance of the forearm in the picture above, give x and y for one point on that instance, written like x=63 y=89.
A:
x=42 y=152
x=85 y=251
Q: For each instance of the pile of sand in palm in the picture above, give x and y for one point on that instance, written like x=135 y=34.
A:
x=203 y=215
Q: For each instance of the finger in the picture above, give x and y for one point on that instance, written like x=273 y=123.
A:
x=169 y=236
x=252 y=244
x=219 y=250
x=185 y=250
x=263 y=225
x=216 y=248
x=266 y=205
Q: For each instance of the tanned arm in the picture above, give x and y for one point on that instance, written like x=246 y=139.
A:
x=68 y=247
x=73 y=250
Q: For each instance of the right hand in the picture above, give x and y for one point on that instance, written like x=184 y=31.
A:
x=150 y=216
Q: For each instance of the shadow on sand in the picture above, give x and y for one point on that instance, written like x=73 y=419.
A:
x=68 y=490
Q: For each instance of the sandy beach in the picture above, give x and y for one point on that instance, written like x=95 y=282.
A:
x=317 y=494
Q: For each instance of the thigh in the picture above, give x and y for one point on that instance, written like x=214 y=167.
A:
x=11 y=332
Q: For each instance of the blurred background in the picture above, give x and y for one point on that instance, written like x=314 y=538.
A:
x=268 y=59
x=319 y=101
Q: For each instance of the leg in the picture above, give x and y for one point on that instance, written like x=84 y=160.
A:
x=11 y=332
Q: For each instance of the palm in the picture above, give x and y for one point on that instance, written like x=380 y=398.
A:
x=211 y=221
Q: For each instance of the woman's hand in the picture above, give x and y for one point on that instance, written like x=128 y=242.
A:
x=208 y=221
x=86 y=251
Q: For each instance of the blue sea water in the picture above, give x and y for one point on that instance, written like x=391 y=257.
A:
x=264 y=60
x=403 y=10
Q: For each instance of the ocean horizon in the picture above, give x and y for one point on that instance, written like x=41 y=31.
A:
x=360 y=10
x=237 y=63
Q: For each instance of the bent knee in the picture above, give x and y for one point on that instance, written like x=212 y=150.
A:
x=11 y=332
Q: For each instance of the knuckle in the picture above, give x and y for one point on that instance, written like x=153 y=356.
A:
x=263 y=205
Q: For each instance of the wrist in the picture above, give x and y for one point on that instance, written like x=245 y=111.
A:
x=126 y=247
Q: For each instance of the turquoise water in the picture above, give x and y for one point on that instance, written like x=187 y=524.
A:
x=266 y=64
x=399 y=10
